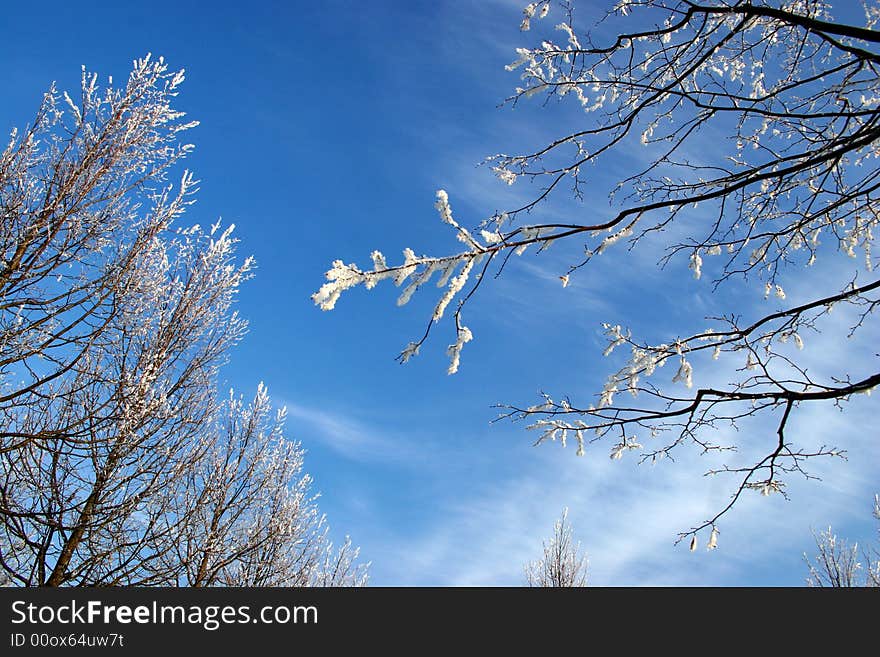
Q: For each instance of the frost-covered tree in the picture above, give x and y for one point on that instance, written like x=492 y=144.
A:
x=250 y=516
x=114 y=322
x=84 y=203
x=789 y=99
x=838 y=564
x=563 y=564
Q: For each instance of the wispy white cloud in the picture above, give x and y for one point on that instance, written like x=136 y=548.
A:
x=627 y=518
x=349 y=436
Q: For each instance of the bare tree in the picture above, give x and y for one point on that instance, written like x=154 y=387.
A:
x=83 y=201
x=563 y=564
x=250 y=518
x=788 y=98
x=75 y=499
x=114 y=323
x=839 y=564
x=340 y=566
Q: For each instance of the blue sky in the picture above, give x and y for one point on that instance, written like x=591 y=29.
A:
x=326 y=128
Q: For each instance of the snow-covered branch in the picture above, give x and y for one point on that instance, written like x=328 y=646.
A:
x=789 y=100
